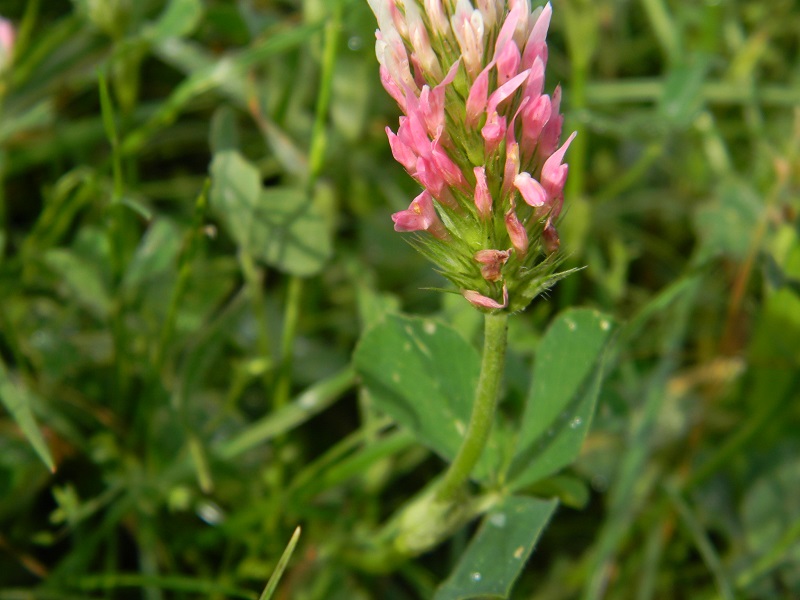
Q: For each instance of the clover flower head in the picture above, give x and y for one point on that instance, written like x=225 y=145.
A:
x=481 y=137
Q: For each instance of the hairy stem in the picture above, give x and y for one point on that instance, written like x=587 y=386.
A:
x=483 y=410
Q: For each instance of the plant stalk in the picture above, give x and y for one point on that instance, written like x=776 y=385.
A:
x=483 y=410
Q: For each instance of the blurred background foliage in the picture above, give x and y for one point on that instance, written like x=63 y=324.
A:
x=175 y=360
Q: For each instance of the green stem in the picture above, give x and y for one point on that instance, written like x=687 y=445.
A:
x=480 y=423
x=192 y=243
x=294 y=297
x=315 y=164
x=253 y=277
x=115 y=235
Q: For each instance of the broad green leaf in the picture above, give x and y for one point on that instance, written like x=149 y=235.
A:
x=155 y=255
x=771 y=522
x=293 y=160
x=774 y=352
x=84 y=281
x=498 y=552
x=725 y=226
x=683 y=91
x=560 y=405
x=17 y=401
x=179 y=19
x=280 y=226
x=224 y=130
x=293 y=236
x=351 y=89
x=423 y=374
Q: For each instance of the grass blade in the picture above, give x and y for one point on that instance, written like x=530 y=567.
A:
x=281 y=566
x=17 y=401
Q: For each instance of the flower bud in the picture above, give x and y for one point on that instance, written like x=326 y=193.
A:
x=492 y=262
x=550 y=237
x=483 y=198
x=517 y=233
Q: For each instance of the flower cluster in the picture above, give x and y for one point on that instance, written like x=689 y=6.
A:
x=481 y=137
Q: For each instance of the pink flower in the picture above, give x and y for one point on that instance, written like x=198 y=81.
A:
x=468 y=27
x=480 y=135
x=517 y=233
x=505 y=91
x=478 y=97
x=483 y=198
x=511 y=168
x=402 y=153
x=493 y=132
x=438 y=18
x=431 y=177
x=480 y=301
x=532 y=191
x=450 y=172
x=420 y=41
x=431 y=103
x=534 y=118
x=420 y=216
x=536 y=45
x=548 y=140
x=492 y=262
x=508 y=63
x=554 y=173
x=550 y=237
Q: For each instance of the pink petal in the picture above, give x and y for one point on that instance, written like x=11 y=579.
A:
x=531 y=190
x=535 y=85
x=511 y=168
x=431 y=103
x=534 y=119
x=392 y=88
x=431 y=178
x=550 y=237
x=412 y=131
x=397 y=19
x=517 y=233
x=492 y=262
x=548 y=140
x=505 y=91
x=468 y=27
x=420 y=216
x=483 y=198
x=486 y=257
x=477 y=98
x=481 y=301
x=507 y=63
x=418 y=35
x=402 y=153
x=536 y=45
x=493 y=132
x=554 y=173
x=450 y=172
x=437 y=17
x=507 y=30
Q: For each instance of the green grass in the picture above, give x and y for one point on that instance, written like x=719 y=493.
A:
x=175 y=372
